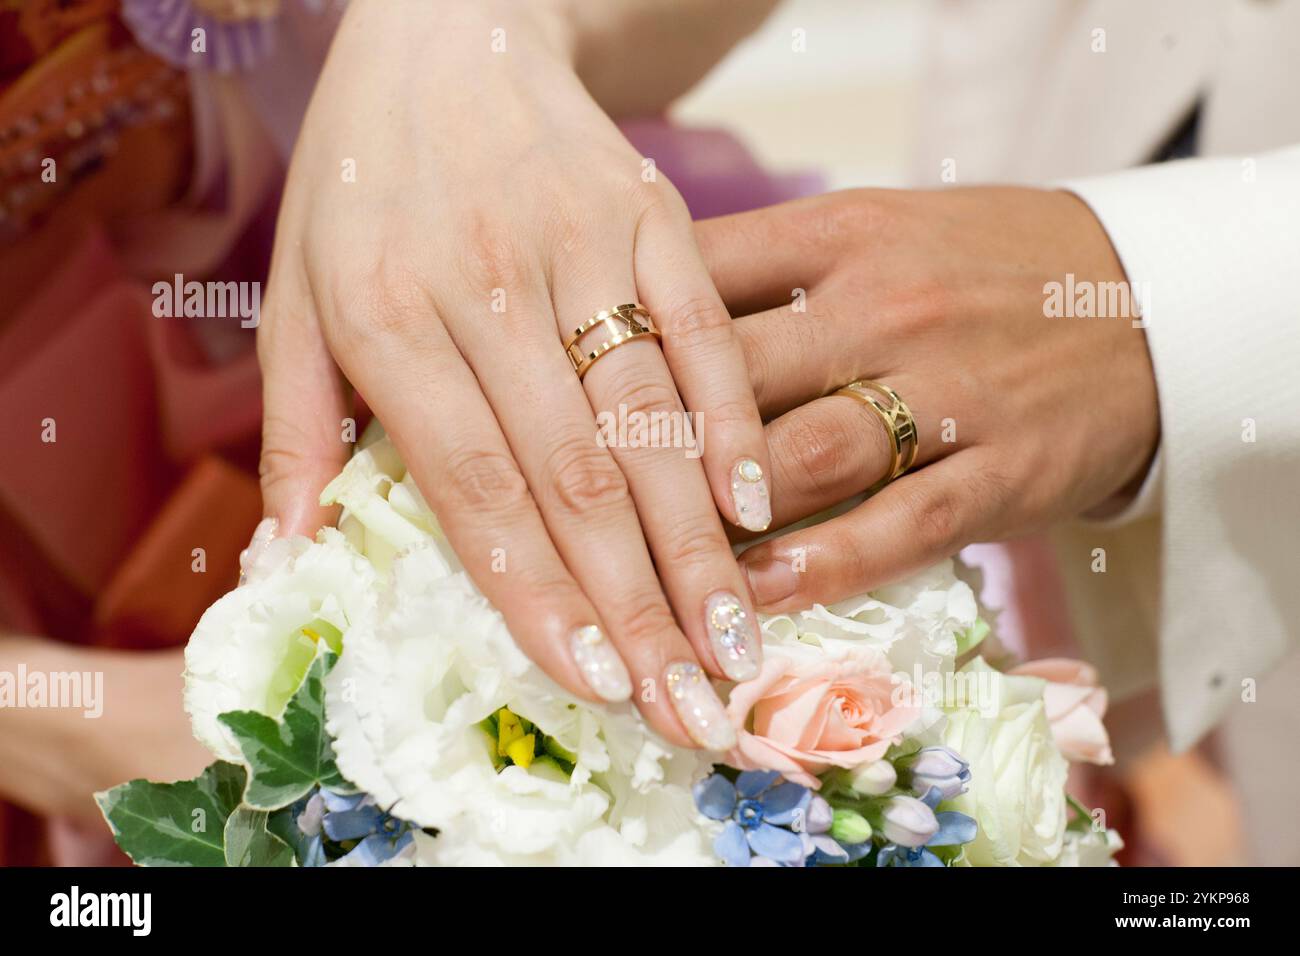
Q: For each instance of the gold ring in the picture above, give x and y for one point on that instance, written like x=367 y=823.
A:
x=623 y=324
x=898 y=420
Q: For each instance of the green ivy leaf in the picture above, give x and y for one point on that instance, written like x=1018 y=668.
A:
x=250 y=843
x=174 y=824
x=290 y=757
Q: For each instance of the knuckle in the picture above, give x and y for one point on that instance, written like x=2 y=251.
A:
x=728 y=411
x=483 y=480
x=381 y=301
x=817 y=452
x=649 y=398
x=643 y=617
x=693 y=543
x=585 y=478
x=549 y=584
x=854 y=566
x=934 y=516
x=492 y=259
x=848 y=217
x=277 y=464
x=697 y=322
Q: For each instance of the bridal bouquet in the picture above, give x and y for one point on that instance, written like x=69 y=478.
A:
x=367 y=706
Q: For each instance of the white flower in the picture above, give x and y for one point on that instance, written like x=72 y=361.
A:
x=406 y=703
x=915 y=622
x=252 y=648
x=1090 y=848
x=1017 y=786
x=407 y=700
x=384 y=511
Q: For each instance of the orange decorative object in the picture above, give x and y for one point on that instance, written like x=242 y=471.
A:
x=185 y=560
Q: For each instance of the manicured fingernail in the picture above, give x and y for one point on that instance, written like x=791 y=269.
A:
x=771 y=581
x=601 y=667
x=698 y=706
x=734 y=636
x=749 y=494
x=263 y=535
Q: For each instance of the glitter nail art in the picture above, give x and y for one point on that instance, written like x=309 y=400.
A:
x=601 y=667
x=698 y=706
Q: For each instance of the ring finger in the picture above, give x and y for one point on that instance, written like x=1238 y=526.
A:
x=656 y=444
x=836 y=447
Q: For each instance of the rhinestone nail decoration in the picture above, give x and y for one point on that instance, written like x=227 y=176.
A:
x=749 y=493
x=735 y=640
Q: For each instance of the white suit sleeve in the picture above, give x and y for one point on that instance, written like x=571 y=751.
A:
x=1214 y=245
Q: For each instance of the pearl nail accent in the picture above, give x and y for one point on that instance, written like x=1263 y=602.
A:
x=601 y=667
x=698 y=706
x=749 y=495
x=736 y=642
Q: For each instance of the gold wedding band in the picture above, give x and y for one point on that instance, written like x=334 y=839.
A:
x=623 y=324
x=898 y=420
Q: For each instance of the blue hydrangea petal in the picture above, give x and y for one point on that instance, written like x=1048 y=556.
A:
x=715 y=796
x=954 y=829
x=731 y=846
x=753 y=782
x=786 y=803
x=776 y=844
x=932 y=797
x=927 y=859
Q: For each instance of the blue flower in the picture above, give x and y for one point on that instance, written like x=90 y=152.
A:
x=377 y=835
x=760 y=813
x=954 y=830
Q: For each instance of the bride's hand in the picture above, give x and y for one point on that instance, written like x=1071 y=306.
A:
x=457 y=204
x=1023 y=419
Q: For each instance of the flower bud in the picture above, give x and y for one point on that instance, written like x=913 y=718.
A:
x=819 y=815
x=850 y=827
x=873 y=779
x=942 y=768
x=908 y=822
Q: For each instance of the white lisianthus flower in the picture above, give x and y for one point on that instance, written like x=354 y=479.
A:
x=1090 y=848
x=1017 y=786
x=408 y=700
x=252 y=648
x=916 y=623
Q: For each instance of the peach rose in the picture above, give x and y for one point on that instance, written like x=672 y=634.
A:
x=1075 y=705
x=803 y=715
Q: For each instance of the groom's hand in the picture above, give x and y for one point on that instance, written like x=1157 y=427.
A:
x=980 y=308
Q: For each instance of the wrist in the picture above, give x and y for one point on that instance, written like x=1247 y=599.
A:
x=545 y=26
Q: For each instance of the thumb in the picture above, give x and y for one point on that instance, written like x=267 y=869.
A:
x=306 y=433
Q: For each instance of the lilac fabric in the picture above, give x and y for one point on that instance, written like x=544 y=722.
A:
x=714 y=172
x=166 y=29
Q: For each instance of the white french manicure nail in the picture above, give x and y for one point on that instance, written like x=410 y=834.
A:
x=736 y=643
x=601 y=667
x=263 y=535
x=698 y=706
x=749 y=495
